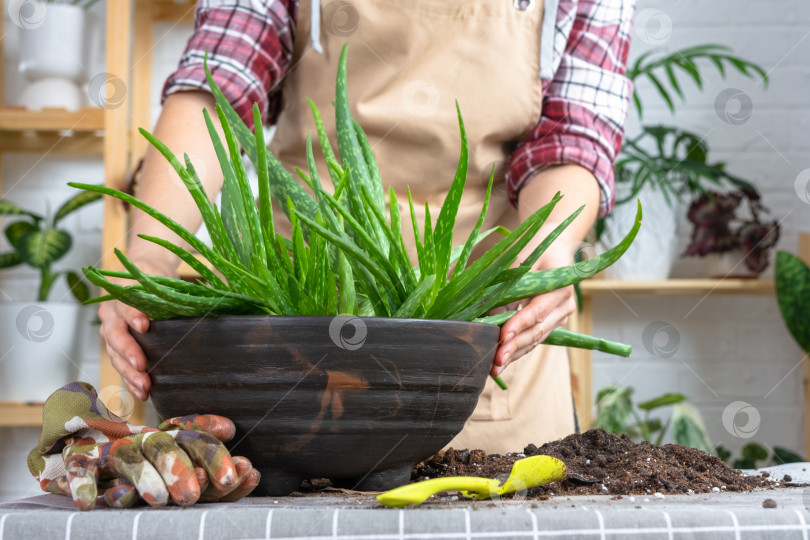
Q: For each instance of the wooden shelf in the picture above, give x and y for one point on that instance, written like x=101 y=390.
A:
x=14 y=119
x=605 y=287
x=173 y=11
x=51 y=130
x=20 y=414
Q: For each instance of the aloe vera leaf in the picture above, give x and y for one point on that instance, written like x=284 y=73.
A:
x=396 y=223
x=265 y=195
x=351 y=250
x=474 y=238
x=397 y=250
x=299 y=249
x=206 y=273
x=186 y=287
x=417 y=238
x=374 y=186
x=98 y=299
x=231 y=209
x=566 y=338
x=430 y=249
x=411 y=304
x=282 y=183
x=248 y=214
x=509 y=278
x=351 y=154
x=348 y=295
x=463 y=290
x=186 y=304
x=326 y=145
x=197 y=191
x=148 y=304
x=445 y=223
x=236 y=276
x=543 y=281
x=792 y=278
x=456 y=254
x=372 y=248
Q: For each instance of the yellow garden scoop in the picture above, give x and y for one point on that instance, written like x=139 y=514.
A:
x=526 y=473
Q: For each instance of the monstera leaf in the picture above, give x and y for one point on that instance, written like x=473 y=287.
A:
x=793 y=293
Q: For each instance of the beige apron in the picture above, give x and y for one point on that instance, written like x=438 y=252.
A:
x=408 y=62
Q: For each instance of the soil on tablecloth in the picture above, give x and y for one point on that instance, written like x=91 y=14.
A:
x=620 y=466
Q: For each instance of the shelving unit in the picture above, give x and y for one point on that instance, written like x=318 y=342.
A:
x=582 y=360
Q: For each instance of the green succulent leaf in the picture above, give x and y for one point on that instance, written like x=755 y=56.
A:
x=77 y=286
x=17 y=230
x=614 y=405
x=689 y=429
x=792 y=277
x=662 y=401
x=42 y=248
x=9 y=260
x=8 y=208
x=74 y=203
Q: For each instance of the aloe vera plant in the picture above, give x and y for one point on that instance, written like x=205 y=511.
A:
x=346 y=253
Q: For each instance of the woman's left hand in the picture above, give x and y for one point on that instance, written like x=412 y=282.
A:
x=536 y=317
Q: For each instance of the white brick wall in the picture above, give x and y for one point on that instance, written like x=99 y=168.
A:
x=730 y=348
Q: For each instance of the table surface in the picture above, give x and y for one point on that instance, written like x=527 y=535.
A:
x=351 y=515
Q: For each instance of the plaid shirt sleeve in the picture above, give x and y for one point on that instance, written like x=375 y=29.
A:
x=585 y=104
x=249 y=45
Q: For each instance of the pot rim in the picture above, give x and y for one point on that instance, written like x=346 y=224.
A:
x=324 y=318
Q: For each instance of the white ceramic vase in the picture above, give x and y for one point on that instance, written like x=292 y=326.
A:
x=53 y=57
x=39 y=348
x=655 y=248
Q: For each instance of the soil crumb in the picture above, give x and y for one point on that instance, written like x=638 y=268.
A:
x=615 y=464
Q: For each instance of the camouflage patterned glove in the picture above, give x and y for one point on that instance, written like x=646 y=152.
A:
x=89 y=453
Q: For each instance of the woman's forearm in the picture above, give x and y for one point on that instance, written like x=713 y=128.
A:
x=578 y=187
x=182 y=128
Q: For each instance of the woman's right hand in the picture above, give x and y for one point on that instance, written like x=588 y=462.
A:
x=125 y=354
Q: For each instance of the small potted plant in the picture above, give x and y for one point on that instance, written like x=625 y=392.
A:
x=37 y=339
x=666 y=166
x=734 y=246
x=330 y=348
x=54 y=40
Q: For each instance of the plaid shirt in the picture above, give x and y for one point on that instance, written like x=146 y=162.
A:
x=585 y=101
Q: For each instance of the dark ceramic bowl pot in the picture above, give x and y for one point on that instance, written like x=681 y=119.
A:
x=356 y=400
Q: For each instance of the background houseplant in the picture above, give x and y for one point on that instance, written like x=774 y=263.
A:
x=40 y=343
x=54 y=42
x=666 y=166
x=733 y=245
x=618 y=414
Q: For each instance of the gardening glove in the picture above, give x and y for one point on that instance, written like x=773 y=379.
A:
x=90 y=454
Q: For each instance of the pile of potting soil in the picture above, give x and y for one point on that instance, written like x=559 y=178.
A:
x=618 y=466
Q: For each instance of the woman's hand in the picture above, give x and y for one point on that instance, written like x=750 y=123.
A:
x=125 y=354
x=537 y=316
